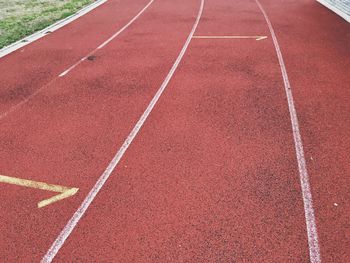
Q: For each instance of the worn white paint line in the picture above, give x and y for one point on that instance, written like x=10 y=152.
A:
x=107 y=41
x=232 y=37
x=27 y=40
x=15 y=107
x=67 y=230
x=72 y=67
x=314 y=249
x=18 y=105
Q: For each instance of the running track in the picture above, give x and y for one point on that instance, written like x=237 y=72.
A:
x=213 y=170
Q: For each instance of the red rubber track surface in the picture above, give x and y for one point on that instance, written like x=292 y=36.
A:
x=68 y=133
x=212 y=176
x=316 y=47
x=29 y=68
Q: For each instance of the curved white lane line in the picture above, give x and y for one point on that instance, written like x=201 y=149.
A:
x=314 y=249
x=13 y=108
x=67 y=230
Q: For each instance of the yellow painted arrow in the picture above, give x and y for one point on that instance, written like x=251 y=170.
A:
x=233 y=37
x=65 y=192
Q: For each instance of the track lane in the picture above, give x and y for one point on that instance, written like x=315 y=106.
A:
x=26 y=70
x=311 y=227
x=212 y=175
x=318 y=70
x=69 y=132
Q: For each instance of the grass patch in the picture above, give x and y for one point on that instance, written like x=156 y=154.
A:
x=20 y=18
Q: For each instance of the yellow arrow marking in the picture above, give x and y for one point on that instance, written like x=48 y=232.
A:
x=65 y=192
x=233 y=37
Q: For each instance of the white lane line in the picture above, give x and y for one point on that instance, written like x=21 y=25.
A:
x=13 y=108
x=125 y=27
x=107 y=41
x=67 y=230
x=30 y=39
x=314 y=249
x=18 y=105
x=73 y=66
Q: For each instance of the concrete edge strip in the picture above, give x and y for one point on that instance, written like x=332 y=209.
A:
x=61 y=23
x=335 y=10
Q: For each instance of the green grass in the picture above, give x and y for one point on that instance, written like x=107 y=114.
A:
x=20 y=18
